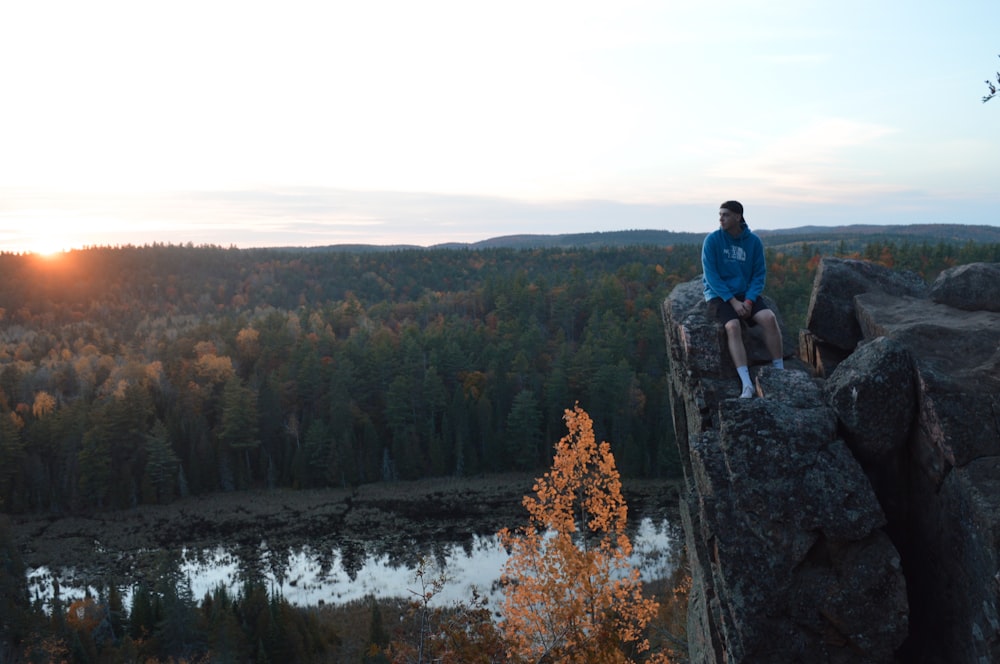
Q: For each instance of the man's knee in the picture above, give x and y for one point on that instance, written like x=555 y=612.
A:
x=766 y=318
x=734 y=328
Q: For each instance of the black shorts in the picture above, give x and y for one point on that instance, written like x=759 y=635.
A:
x=723 y=312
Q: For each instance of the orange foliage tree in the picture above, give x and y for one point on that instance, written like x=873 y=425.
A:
x=44 y=404
x=570 y=594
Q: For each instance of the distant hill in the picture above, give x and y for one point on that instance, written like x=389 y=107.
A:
x=852 y=237
x=631 y=238
x=628 y=238
x=856 y=235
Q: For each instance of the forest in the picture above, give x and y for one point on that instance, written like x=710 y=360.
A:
x=137 y=375
x=133 y=375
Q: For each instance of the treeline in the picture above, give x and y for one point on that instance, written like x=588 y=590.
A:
x=137 y=374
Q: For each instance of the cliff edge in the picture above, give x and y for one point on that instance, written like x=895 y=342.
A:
x=851 y=511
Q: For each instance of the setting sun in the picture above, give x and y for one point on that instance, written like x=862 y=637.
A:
x=51 y=234
x=50 y=251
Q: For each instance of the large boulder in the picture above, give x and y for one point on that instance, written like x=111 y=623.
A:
x=972 y=287
x=874 y=395
x=957 y=370
x=831 y=306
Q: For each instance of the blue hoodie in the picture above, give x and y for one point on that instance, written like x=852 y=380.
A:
x=733 y=266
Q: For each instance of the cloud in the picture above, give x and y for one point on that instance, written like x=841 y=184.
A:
x=812 y=164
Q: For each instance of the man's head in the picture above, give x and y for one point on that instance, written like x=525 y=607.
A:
x=731 y=217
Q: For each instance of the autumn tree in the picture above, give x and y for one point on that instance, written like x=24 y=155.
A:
x=248 y=348
x=570 y=594
x=44 y=404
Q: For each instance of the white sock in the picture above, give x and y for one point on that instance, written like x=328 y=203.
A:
x=744 y=373
x=778 y=363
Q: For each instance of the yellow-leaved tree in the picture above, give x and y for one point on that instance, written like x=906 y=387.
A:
x=570 y=593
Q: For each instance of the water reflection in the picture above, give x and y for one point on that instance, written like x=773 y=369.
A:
x=309 y=575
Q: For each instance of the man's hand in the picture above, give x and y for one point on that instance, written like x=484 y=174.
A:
x=742 y=308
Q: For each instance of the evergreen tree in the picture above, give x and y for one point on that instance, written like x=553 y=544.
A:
x=161 y=464
x=523 y=436
x=117 y=615
x=316 y=451
x=176 y=630
x=225 y=637
x=401 y=418
x=94 y=461
x=12 y=456
x=378 y=638
x=142 y=617
x=15 y=603
x=238 y=433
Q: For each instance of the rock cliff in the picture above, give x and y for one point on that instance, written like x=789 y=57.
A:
x=851 y=511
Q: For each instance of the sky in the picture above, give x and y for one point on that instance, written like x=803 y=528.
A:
x=388 y=122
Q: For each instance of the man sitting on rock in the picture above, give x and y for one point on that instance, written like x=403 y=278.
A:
x=732 y=259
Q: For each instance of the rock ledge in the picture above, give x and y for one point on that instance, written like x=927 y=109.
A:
x=851 y=512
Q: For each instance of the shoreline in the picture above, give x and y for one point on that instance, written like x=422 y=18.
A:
x=391 y=514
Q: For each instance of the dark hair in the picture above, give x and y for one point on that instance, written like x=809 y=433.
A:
x=733 y=206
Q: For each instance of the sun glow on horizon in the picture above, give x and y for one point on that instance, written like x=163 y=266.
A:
x=45 y=245
x=50 y=232
x=48 y=245
x=50 y=253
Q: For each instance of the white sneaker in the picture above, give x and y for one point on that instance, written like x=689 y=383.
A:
x=747 y=392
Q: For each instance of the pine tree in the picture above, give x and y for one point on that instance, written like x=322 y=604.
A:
x=524 y=430
x=11 y=456
x=176 y=629
x=161 y=464
x=238 y=431
x=316 y=451
x=15 y=603
x=94 y=460
x=142 y=617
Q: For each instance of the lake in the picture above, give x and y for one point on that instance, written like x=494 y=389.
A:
x=320 y=547
x=307 y=576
